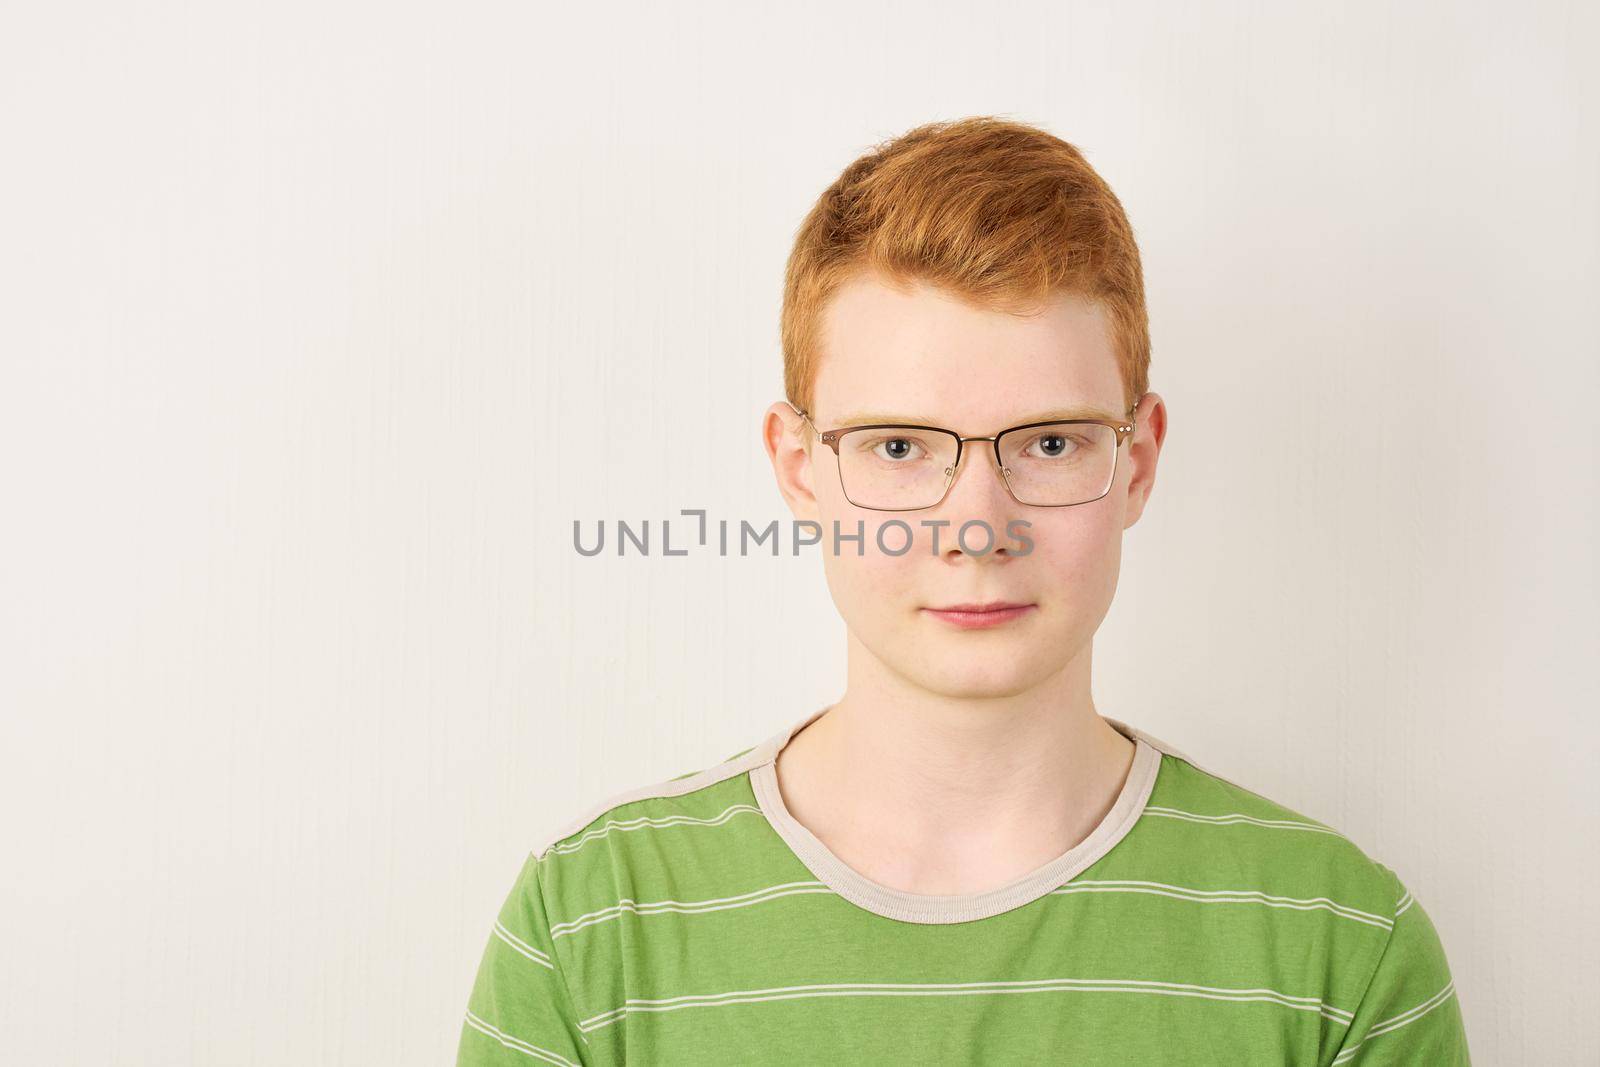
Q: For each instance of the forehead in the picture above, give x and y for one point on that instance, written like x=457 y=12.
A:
x=928 y=355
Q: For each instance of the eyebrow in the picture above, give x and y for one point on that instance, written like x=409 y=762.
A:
x=1081 y=411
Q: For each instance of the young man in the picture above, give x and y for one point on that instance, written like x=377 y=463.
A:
x=961 y=861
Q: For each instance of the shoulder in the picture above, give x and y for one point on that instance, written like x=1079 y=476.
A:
x=1326 y=911
x=681 y=796
x=633 y=835
x=1206 y=822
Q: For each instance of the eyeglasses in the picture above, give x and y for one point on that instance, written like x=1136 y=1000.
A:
x=907 y=467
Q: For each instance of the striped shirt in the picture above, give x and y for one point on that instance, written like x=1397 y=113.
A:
x=695 y=921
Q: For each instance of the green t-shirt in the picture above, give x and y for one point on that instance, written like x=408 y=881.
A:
x=695 y=921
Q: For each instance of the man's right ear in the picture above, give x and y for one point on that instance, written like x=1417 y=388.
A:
x=785 y=435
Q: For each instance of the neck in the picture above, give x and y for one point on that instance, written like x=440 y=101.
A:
x=933 y=789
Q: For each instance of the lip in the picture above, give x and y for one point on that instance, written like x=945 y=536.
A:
x=980 y=616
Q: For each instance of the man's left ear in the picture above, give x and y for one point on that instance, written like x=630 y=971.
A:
x=1144 y=449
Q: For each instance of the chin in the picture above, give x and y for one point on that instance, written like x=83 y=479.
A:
x=997 y=674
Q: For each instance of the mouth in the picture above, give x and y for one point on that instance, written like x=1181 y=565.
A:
x=981 y=616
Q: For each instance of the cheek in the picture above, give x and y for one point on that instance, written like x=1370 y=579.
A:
x=1073 y=554
x=872 y=589
x=863 y=577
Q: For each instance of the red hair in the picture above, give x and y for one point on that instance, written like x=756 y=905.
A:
x=998 y=212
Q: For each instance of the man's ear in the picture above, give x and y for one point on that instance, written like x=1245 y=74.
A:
x=784 y=434
x=1143 y=450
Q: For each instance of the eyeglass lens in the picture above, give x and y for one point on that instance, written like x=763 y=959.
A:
x=903 y=468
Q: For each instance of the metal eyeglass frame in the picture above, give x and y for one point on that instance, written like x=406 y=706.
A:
x=1123 y=431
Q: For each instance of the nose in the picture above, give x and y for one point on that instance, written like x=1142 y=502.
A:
x=982 y=495
x=979 y=452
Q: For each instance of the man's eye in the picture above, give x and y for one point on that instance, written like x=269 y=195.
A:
x=896 y=449
x=1055 y=445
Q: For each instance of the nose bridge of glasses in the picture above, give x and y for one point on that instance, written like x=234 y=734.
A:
x=954 y=470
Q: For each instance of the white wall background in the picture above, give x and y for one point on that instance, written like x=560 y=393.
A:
x=320 y=323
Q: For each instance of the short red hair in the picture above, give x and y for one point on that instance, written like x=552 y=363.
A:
x=996 y=211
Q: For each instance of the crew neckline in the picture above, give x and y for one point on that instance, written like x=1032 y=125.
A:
x=906 y=906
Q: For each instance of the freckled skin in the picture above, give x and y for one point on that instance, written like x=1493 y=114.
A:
x=929 y=354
